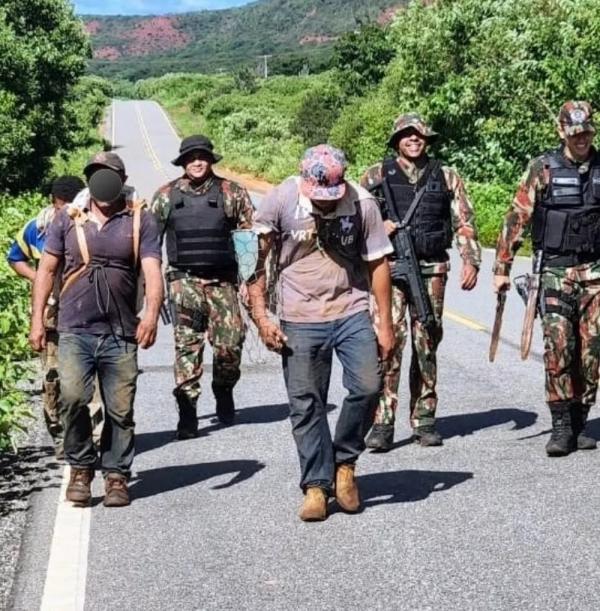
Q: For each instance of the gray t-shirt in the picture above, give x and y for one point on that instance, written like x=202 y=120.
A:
x=317 y=282
x=103 y=299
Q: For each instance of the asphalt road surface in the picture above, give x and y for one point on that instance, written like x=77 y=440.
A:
x=484 y=522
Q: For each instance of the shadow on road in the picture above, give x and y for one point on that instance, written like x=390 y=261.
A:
x=461 y=425
x=165 y=479
x=32 y=470
x=407 y=486
x=259 y=414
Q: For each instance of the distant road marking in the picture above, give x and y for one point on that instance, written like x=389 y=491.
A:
x=465 y=320
x=168 y=120
x=113 y=138
x=66 y=577
x=156 y=162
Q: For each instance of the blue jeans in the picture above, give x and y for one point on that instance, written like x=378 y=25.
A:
x=114 y=360
x=307 y=371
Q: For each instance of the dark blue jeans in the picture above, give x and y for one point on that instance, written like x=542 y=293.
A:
x=80 y=358
x=307 y=371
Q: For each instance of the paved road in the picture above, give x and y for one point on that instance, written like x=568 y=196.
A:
x=485 y=522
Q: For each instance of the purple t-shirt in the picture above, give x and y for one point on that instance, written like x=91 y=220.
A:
x=316 y=285
x=103 y=299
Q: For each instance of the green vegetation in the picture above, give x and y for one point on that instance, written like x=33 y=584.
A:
x=297 y=33
x=43 y=49
x=489 y=76
x=48 y=126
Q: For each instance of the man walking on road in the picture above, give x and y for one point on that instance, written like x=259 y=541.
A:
x=23 y=257
x=101 y=240
x=331 y=246
x=198 y=212
x=559 y=196
x=441 y=210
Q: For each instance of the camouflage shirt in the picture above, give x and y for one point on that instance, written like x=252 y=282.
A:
x=461 y=211
x=520 y=213
x=236 y=202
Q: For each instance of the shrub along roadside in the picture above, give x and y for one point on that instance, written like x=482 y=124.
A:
x=15 y=367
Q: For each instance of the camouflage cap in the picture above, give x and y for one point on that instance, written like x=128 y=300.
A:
x=104 y=159
x=322 y=173
x=411 y=121
x=576 y=117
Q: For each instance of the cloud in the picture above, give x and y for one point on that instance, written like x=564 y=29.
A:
x=150 y=7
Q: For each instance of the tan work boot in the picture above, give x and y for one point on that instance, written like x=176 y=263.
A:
x=346 y=490
x=79 y=487
x=314 y=507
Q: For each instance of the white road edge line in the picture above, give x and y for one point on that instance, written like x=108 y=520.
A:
x=66 y=577
x=168 y=119
x=113 y=126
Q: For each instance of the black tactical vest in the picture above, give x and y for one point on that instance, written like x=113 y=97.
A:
x=199 y=234
x=431 y=225
x=566 y=221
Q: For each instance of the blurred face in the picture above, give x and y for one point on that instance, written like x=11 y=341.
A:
x=197 y=165
x=578 y=146
x=411 y=145
x=115 y=204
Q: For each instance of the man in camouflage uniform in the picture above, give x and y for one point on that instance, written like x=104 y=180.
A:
x=27 y=250
x=559 y=196
x=443 y=210
x=197 y=213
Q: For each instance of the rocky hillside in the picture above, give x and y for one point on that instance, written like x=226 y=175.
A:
x=293 y=32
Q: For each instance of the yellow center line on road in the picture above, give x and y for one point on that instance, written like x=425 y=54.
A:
x=148 y=144
x=465 y=321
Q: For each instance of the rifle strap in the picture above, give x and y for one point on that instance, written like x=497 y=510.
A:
x=413 y=206
x=389 y=166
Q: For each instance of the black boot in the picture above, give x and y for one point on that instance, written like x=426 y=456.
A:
x=187 y=427
x=579 y=415
x=225 y=406
x=381 y=438
x=561 y=441
x=427 y=436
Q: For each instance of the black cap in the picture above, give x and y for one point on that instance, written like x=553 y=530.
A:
x=196 y=143
x=67 y=187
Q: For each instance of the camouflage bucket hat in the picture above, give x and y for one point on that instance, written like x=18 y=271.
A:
x=411 y=121
x=104 y=159
x=322 y=173
x=576 y=117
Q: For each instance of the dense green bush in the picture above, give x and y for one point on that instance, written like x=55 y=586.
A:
x=14 y=320
x=43 y=49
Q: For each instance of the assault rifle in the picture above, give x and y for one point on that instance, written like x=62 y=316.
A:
x=405 y=269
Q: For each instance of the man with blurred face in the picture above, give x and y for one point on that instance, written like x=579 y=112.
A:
x=196 y=214
x=100 y=240
x=559 y=197
x=443 y=210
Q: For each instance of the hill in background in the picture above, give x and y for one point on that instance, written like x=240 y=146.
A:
x=294 y=32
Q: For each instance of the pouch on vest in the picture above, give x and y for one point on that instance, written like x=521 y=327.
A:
x=554 y=230
x=565 y=187
x=595 y=184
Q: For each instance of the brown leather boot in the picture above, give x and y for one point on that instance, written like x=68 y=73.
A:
x=116 y=493
x=314 y=508
x=79 y=487
x=346 y=490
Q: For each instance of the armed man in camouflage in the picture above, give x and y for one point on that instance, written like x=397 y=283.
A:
x=197 y=213
x=559 y=197
x=443 y=210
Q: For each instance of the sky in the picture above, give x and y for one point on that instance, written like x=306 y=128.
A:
x=149 y=7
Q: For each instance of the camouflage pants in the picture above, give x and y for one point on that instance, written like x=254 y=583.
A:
x=51 y=392
x=571 y=328
x=423 y=364
x=203 y=311
x=50 y=386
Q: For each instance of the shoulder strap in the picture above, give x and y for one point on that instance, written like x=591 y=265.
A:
x=137 y=208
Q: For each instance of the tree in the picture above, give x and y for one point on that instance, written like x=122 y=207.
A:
x=43 y=50
x=361 y=58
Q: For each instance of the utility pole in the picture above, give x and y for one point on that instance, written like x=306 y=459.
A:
x=265 y=65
